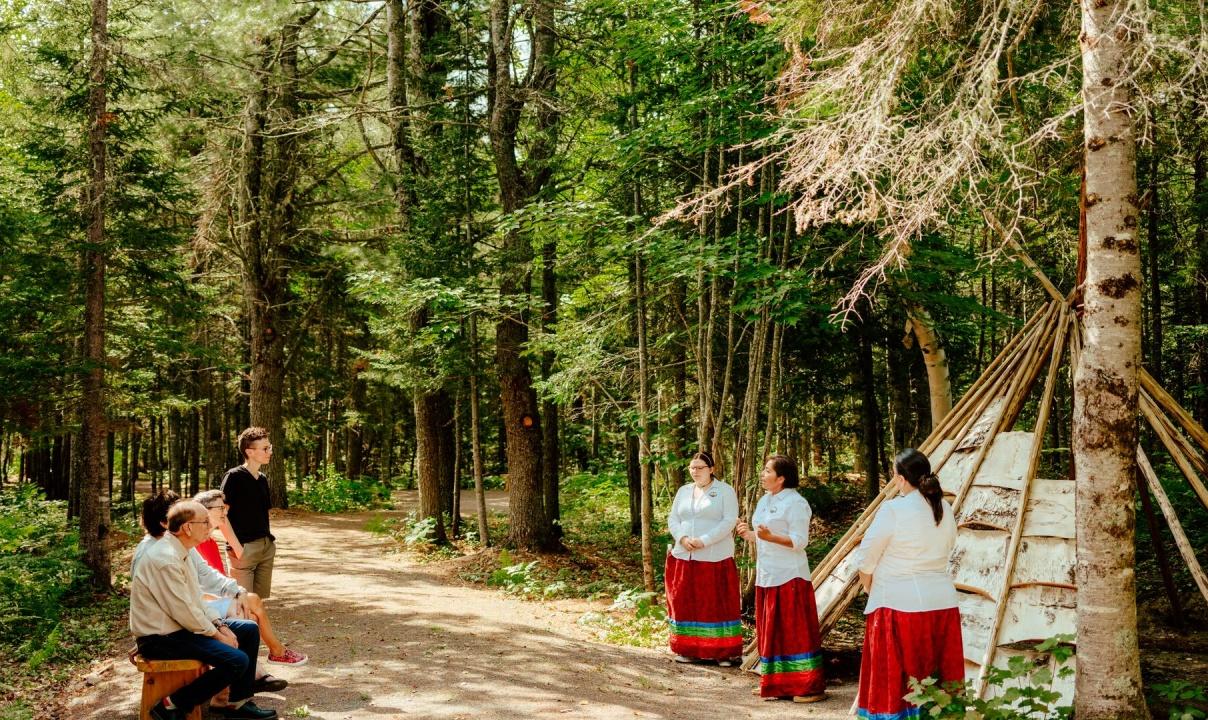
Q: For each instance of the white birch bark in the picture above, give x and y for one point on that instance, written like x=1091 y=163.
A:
x=1108 y=682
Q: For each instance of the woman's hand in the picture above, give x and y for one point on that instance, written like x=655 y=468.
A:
x=763 y=533
x=692 y=543
x=866 y=582
x=744 y=531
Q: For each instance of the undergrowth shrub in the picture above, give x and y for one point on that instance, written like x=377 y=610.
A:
x=1021 y=690
x=40 y=565
x=336 y=493
x=635 y=618
x=1183 y=700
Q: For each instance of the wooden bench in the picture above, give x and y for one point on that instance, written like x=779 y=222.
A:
x=161 y=678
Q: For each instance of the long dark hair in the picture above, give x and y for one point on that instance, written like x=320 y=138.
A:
x=785 y=467
x=916 y=468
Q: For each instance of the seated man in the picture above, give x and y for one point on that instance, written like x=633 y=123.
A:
x=252 y=605
x=220 y=592
x=170 y=621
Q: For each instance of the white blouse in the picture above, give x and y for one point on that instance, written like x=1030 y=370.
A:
x=710 y=517
x=785 y=513
x=907 y=555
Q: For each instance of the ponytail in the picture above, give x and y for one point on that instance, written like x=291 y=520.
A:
x=930 y=489
x=916 y=469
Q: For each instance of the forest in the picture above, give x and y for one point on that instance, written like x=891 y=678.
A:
x=538 y=246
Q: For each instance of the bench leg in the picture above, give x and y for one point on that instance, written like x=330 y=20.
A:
x=157 y=686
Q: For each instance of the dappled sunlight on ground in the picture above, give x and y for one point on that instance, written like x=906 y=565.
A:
x=391 y=638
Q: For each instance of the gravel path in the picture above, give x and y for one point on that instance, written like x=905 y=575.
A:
x=389 y=637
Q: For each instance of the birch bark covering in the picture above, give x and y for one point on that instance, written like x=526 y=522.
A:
x=1105 y=382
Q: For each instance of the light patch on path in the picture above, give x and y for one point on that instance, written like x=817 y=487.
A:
x=389 y=637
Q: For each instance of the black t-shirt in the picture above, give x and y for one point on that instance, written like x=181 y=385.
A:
x=249 y=501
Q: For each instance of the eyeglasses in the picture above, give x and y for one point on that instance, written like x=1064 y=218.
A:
x=199 y=522
x=694 y=468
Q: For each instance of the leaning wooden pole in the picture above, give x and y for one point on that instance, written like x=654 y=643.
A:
x=1042 y=421
x=1172 y=519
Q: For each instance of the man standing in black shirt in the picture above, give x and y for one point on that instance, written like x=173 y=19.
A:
x=250 y=545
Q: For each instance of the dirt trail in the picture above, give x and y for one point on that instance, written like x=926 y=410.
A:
x=391 y=638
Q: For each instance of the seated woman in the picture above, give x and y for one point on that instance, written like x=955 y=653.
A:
x=247 y=604
x=216 y=585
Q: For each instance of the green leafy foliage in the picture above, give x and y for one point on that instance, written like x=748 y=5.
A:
x=39 y=567
x=635 y=618
x=336 y=493
x=1186 y=701
x=1023 y=690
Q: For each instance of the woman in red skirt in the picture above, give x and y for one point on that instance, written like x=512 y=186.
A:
x=703 y=601
x=912 y=625
x=786 y=617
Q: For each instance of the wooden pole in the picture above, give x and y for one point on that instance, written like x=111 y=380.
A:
x=1168 y=435
x=1172 y=519
x=1042 y=420
x=1159 y=551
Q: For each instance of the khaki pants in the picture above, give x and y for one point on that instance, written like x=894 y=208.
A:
x=254 y=570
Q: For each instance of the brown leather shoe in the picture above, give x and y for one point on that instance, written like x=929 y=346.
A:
x=809 y=698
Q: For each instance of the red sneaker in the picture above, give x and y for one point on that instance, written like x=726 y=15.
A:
x=289 y=658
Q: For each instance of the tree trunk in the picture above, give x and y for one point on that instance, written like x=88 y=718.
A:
x=354 y=432
x=194 y=454
x=94 y=495
x=869 y=411
x=267 y=219
x=1154 y=245
x=530 y=528
x=677 y=437
x=480 y=495
x=174 y=452
x=647 y=509
x=551 y=461
x=131 y=483
x=633 y=476
x=1108 y=681
x=938 y=382
x=455 y=524
x=447 y=444
x=428 y=414
x=1200 y=196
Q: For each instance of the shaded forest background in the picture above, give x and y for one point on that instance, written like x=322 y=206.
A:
x=416 y=242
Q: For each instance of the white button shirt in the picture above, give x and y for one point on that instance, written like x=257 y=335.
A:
x=711 y=517
x=907 y=555
x=785 y=513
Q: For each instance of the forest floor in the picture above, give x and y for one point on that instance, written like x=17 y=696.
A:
x=397 y=635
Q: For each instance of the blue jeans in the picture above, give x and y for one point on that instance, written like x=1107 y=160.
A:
x=228 y=666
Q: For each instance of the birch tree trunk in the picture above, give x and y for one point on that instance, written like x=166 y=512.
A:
x=939 y=384
x=1108 y=682
x=94 y=495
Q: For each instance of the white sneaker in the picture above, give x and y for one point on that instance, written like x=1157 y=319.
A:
x=681 y=659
